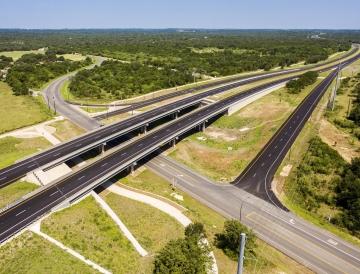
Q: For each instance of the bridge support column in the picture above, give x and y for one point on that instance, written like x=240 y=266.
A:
x=173 y=142
x=202 y=127
x=102 y=148
x=132 y=168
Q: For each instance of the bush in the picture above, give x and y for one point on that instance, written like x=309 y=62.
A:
x=229 y=239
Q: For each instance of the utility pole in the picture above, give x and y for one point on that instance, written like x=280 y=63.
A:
x=54 y=105
x=241 y=253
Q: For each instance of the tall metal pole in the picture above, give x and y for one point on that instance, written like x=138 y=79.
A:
x=241 y=253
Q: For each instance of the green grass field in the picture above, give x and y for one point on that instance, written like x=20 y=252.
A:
x=269 y=259
x=150 y=226
x=15 y=191
x=17 y=54
x=66 y=130
x=31 y=254
x=235 y=140
x=87 y=228
x=20 y=111
x=12 y=149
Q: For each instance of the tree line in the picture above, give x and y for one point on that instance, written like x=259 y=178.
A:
x=324 y=178
x=297 y=85
x=34 y=70
x=118 y=80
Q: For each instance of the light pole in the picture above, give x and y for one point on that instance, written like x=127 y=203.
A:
x=241 y=253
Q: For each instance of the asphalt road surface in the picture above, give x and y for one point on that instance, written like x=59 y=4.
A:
x=20 y=169
x=258 y=175
x=315 y=248
x=21 y=215
x=57 y=103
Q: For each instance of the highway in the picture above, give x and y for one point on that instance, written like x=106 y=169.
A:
x=19 y=216
x=100 y=136
x=247 y=79
x=258 y=175
x=315 y=248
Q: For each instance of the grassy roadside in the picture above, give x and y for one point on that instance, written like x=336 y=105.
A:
x=15 y=191
x=66 y=130
x=150 y=226
x=269 y=259
x=12 y=149
x=86 y=228
x=29 y=253
x=235 y=140
x=20 y=111
x=94 y=109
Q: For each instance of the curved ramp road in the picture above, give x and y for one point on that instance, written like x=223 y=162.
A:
x=258 y=175
x=26 y=212
x=97 y=137
x=312 y=246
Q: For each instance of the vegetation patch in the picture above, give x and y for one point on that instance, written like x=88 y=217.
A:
x=186 y=255
x=328 y=187
x=12 y=149
x=66 y=130
x=306 y=79
x=94 y=109
x=29 y=253
x=86 y=228
x=15 y=191
x=20 y=111
x=235 y=140
x=119 y=80
x=31 y=71
x=150 y=226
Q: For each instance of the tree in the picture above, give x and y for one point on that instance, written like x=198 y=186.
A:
x=229 y=239
x=195 y=230
x=348 y=197
x=186 y=255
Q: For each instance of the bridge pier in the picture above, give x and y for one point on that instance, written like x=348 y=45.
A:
x=176 y=115
x=132 y=168
x=202 y=127
x=102 y=148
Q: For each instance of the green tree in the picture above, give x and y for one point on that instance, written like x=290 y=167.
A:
x=229 y=239
x=184 y=256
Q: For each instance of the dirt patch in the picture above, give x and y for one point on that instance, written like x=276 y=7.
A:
x=219 y=165
x=226 y=135
x=343 y=143
x=270 y=107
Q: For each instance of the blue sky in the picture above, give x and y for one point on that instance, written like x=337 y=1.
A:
x=180 y=14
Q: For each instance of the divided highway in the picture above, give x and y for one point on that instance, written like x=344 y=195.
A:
x=102 y=135
x=27 y=211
